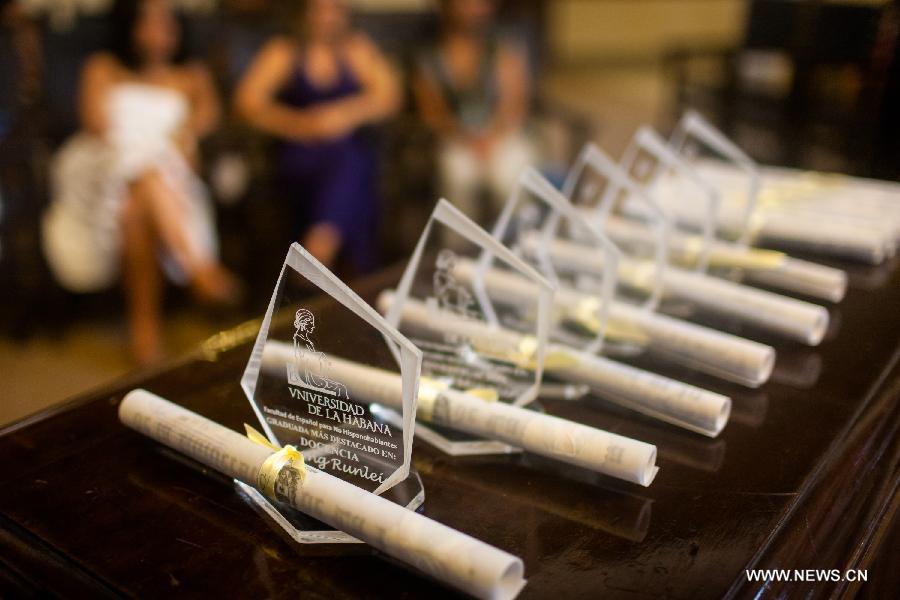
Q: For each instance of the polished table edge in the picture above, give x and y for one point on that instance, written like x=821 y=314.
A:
x=823 y=499
x=30 y=567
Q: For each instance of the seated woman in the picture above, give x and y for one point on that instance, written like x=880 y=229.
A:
x=472 y=90
x=314 y=91
x=125 y=194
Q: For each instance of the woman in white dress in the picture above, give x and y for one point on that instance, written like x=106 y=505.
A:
x=126 y=199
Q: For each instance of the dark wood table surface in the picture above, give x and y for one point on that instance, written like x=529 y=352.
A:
x=804 y=476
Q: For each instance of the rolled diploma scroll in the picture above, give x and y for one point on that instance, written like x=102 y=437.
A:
x=444 y=553
x=803 y=277
x=871 y=199
x=542 y=434
x=831 y=236
x=821 y=233
x=786 y=273
x=795 y=319
x=659 y=397
x=707 y=350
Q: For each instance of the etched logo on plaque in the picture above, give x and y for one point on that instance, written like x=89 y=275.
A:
x=309 y=366
x=349 y=440
x=450 y=295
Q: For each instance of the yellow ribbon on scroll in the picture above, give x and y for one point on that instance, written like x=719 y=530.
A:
x=282 y=471
x=749 y=258
x=523 y=355
x=585 y=315
x=754 y=258
x=554 y=358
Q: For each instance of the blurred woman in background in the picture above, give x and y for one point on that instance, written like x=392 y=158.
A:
x=472 y=90
x=314 y=91
x=125 y=194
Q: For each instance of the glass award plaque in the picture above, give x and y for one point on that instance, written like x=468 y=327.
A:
x=442 y=305
x=692 y=135
x=648 y=159
x=530 y=224
x=322 y=356
x=601 y=190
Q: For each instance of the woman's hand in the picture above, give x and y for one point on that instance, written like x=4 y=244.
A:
x=327 y=122
x=256 y=98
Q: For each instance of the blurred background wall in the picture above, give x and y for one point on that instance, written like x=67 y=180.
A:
x=616 y=31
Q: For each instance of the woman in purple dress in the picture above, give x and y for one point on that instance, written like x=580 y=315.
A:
x=315 y=91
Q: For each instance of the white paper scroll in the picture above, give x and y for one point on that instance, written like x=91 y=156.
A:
x=802 y=277
x=706 y=350
x=448 y=555
x=806 y=231
x=869 y=200
x=757 y=265
x=539 y=433
x=824 y=235
x=795 y=319
x=668 y=400
x=767 y=216
x=659 y=397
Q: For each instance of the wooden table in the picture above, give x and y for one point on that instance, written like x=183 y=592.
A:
x=804 y=476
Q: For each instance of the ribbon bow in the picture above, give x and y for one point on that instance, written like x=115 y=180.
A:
x=287 y=457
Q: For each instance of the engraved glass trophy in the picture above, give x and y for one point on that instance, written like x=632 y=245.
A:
x=649 y=160
x=600 y=189
x=630 y=215
x=442 y=305
x=693 y=134
x=588 y=317
x=321 y=357
x=532 y=223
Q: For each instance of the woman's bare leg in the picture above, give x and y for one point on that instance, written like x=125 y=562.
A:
x=209 y=279
x=142 y=281
x=323 y=241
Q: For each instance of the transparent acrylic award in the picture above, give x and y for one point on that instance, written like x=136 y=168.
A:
x=311 y=378
x=747 y=226
x=648 y=159
x=599 y=187
x=441 y=305
x=732 y=358
x=586 y=271
x=530 y=224
x=692 y=134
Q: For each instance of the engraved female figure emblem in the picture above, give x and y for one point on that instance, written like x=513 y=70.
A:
x=449 y=293
x=310 y=365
